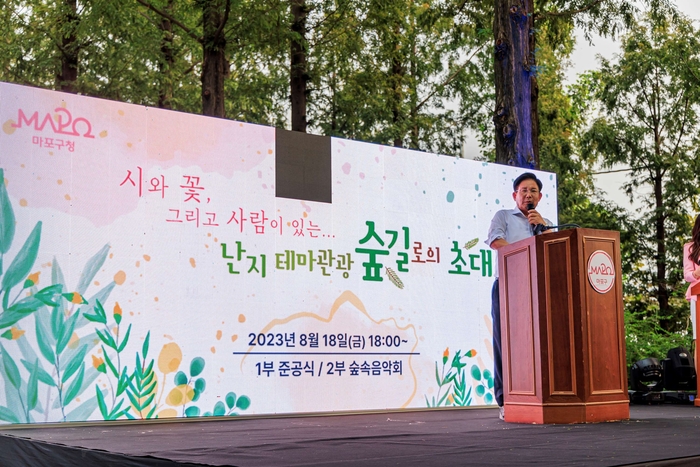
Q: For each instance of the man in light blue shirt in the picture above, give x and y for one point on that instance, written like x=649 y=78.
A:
x=509 y=226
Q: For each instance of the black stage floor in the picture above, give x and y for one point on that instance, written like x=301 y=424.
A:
x=661 y=435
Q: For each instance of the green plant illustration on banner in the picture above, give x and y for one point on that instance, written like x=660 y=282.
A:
x=454 y=386
x=133 y=385
x=484 y=383
x=189 y=388
x=49 y=381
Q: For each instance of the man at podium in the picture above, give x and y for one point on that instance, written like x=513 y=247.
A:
x=509 y=226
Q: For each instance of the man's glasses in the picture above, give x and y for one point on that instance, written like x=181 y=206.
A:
x=532 y=191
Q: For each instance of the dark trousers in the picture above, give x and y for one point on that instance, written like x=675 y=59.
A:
x=497 y=362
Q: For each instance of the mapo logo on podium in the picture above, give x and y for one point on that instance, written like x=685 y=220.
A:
x=601 y=272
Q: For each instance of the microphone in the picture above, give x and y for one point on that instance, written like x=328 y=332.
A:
x=536 y=228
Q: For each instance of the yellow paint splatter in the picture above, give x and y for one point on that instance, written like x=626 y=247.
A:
x=304 y=214
x=138 y=264
x=97 y=283
x=209 y=234
x=8 y=128
x=269 y=151
x=180 y=395
x=146 y=257
x=234 y=338
x=23 y=202
x=193 y=263
x=67 y=196
x=120 y=277
x=167 y=413
x=60 y=182
x=221 y=369
x=103 y=134
x=241 y=318
x=111 y=255
x=74 y=341
x=169 y=358
x=129 y=145
x=155 y=299
x=120 y=112
x=213 y=350
x=218 y=335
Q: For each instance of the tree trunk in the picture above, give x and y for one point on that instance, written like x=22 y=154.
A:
x=215 y=66
x=67 y=77
x=662 y=294
x=165 y=93
x=298 y=72
x=534 y=96
x=397 y=74
x=514 y=86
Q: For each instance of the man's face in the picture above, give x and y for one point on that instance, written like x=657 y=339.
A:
x=527 y=193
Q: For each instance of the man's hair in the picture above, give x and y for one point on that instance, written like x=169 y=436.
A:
x=526 y=176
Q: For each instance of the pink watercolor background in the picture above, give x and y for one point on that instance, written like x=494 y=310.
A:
x=86 y=182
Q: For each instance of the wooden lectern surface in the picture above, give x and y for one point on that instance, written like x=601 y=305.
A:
x=563 y=328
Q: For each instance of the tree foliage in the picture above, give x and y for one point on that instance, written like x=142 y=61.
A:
x=650 y=100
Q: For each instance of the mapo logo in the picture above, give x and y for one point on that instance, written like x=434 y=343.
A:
x=601 y=272
x=62 y=122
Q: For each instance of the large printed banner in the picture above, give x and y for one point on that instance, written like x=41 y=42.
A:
x=148 y=270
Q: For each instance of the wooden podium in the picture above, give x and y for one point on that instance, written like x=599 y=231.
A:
x=562 y=328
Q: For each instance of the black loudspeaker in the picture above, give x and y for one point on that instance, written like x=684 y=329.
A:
x=679 y=371
x=646 y=375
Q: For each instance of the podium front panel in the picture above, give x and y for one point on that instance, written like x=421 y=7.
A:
x=604 y=323
x=559 y=315
x=517 y=325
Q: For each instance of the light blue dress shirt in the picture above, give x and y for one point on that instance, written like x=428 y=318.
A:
x=511 y=225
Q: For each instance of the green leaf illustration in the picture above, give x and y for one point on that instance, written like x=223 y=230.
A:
x=74 y=364
x=109 y=363
x=488 y=398
x=476 y=373
x=56 y=321
x=471 y=243
x=10 y=369
x=231 y=400
x=126 y=339
x=101 y=403
x=219 y=409
x=180 y=378
x=23 y=262
x=144 y=349
x=7 y=415
x=65 y=333
x=100 y=316
x=393 y=277
x=107 y=338
x=83 y=411
x=7 y=218
x=44 y=343
x=243 y=402
x=49 y=295
x=57 y=273
x=91 y=268
x=74 y=388
x=480 y=390
x=200 y=385
x=42 y=374
x=196 y=366
x=33 y=387
x=192 y=411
